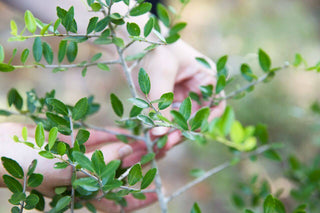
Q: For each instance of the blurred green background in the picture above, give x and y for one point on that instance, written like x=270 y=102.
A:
x=215 y=27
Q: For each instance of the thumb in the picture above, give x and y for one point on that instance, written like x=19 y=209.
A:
x=162 y=68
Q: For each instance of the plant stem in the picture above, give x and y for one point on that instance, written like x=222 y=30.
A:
x=135 y=137
x=157 y=179
x=213 y=171
x=73 y=168
x=67 y=65
x=244 y=88
x=24 y=191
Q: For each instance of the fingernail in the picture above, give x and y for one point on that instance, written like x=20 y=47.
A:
x=159 y=131
x=124 y=151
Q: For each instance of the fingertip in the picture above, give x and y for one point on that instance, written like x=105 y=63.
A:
x=159 y=131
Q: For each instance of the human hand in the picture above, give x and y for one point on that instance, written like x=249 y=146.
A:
x=53 y=178
x=173 y=68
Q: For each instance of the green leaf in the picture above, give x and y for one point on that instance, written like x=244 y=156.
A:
x=92 y=24
x=139 y=102
x=56 y=119
x=261 y=133
x=98 y=162
x=87 y=183
x=60 y=165
x=95 y=6
x=148 y=27
x=15 y=209
x=44 y=30
x=203 y=62
x=96 y=57
x=16 y=198
x=31 y=202
x=35 y=180
x=238 y=201
x=225 y=122
x=103 y=66
x=195 y=208
x=177 y=28
x=91 y=207
x=80 y=109
x=135 y=175
x=12 y=167
x=146 y=120
x=172 y=38
x=139 y=196
x=83 y=161
x=220 y=84
x=118 y=41
x=221 y=63
x=135 y=111
x=30 y=21
x=12 y=184
x=273 y=205
x=197 y=172
x=5 y=113
x=47 y=52
x=247 y=72
x=116 y=105
x=6 y=67
x=140 y=9
x=15 y=98
x=133 y=29
x=1 y=54
x=41 y=202
x=144 y=81
x=58 y=106
x=179 y=119
x=62 y=50
x=162 y=141
x=206 y=91
x=62 y=203
x=52 y=137
x=102 y=24
x=32 y=167
x=264 y=61
x=147 y=158
x=200 y=117
x=39 y=135
x=37 y=49
x=109 y=173
x=166 y=100
x=24 y=55
x=237 y=133
x=46 y=154
x=72 y=51
x=163 y=14
x=14 y=28
x=273 y=155
x=25 y=133
x=82 y=136
x=148 y=178
x=61 y=148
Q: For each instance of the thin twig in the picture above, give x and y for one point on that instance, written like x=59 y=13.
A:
x=24 y=190
x=101 y=129
x=157 y=178
x=58 y=35
x=213 y=171
x=138 y=190
x=73 y=168
x=67 y=65
x=244 y=88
